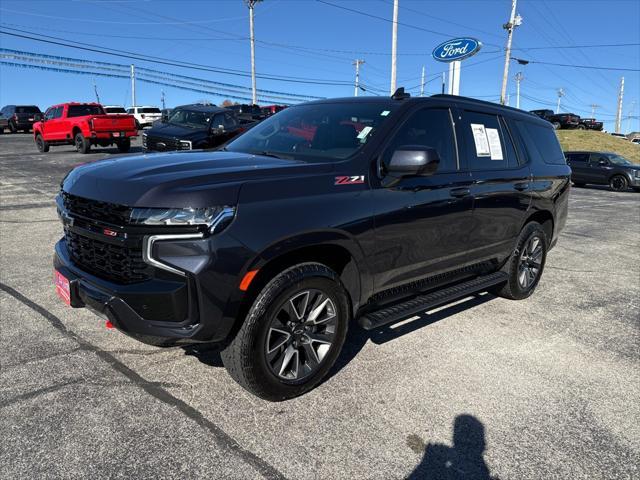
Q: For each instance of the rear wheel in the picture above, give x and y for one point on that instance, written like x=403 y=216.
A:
x=81 y=143
x=618 y=183
x=292 y=335
x=556 y=125
x=524 y=267
x=43 y=146
x=124 y=145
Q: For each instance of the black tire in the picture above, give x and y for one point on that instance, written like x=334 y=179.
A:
x=81 y=143
x=618 y=183
x=514 y=288
x=581 y=127
x=579 y=185
x=124 y=145
x=245 y=358
x=43 y=147
x=557 y=125
x=13 y=128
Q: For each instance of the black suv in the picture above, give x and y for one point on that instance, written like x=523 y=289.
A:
x=191 y=127
x=603 y=168
x=21 y=117
x=365 y=209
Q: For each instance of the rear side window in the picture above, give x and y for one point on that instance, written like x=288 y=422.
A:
x=131 y=110
x=82 y=110
x=578 y=157
x=428 y=128
x=489 y=146
x=541 y=143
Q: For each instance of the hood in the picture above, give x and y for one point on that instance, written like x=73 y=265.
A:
x=179 y=179
x=168 y=130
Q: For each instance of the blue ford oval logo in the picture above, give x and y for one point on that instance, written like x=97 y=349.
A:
x=456 y=49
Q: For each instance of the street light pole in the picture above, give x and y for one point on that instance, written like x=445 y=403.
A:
x=422 y=83
x=394 y=46
x=519 y=77
x=560 y=95
x=514 y=21
x=254 y=95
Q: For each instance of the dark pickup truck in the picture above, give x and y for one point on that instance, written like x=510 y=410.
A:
x=559 y=120
x=368 y=210
x=191 y=127
x=590 y=124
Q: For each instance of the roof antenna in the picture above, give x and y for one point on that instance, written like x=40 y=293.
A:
x=400 y=94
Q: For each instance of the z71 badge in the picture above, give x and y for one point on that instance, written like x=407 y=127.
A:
x=349 y=180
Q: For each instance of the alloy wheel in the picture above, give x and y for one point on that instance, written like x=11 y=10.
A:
x=618 y=183
x=301 y=334
x=530 y=262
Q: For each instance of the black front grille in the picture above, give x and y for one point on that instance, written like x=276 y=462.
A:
x=95 y=210
x=113 y=262
x=165 y=144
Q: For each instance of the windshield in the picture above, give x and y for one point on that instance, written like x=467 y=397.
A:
x=332 y=131
x=27 y=110
x=189 y=118
x=619 y=160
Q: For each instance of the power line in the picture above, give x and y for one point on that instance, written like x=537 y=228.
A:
x=591 y=67
x=165 y=61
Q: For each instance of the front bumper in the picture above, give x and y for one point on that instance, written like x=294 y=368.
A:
x=166 y=309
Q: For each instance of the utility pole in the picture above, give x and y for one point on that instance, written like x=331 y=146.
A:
x=422 y=83
x=519 y=77
x=394 y=46
x=619 y=112
x=162 y=99
x=133 y=85
x=254 y=95
x=514 y=21
x=560 y=95
x=357 y=63
x=631 y=109
x=593 y=109
x=443 y=82
x=95 y=89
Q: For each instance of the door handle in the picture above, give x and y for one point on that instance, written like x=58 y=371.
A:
x=521 y=187
x=460 y=192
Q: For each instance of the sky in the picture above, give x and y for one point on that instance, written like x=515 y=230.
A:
x=307 y=48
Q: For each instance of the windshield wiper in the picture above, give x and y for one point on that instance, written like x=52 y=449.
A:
x=266 y=153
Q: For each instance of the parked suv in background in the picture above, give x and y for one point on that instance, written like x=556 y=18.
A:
x=145 y=116
x=21 y=117
x=248 y=113
x=367 y=209
x=192 y=127
x=559 y=120
x=603 y=168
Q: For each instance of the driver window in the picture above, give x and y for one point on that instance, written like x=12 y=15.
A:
x=428 y=128
x=49 y=114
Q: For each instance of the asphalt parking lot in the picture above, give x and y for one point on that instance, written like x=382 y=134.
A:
x=548 y=387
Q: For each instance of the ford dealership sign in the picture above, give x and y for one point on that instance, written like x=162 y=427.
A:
x=456 y=49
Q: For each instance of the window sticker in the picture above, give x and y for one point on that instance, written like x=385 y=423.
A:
x=480 y=139
x=363 y=133
x=494 y=143
x=385 y=113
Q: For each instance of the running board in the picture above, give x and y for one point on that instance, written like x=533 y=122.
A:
x=424 y=302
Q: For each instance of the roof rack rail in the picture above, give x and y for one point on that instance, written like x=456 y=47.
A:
x=400 y=94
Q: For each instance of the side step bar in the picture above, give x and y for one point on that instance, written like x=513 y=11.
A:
x=424 y=302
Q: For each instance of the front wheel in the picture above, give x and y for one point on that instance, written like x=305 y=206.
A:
x=581 y=127
x=618 y=183
x=292 y=334
x=556 y=125
x=124 y=145
x=81 y=143
x=42 y=146
x=525 y=265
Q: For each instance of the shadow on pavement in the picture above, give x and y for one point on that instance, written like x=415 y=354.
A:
x=463 y=460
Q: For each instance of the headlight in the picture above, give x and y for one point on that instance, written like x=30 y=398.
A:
x=213 y=217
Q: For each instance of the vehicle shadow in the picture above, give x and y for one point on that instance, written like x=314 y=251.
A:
x=209 y=354
x=463 y=460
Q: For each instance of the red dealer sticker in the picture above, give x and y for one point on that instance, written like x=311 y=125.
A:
x=349 y=180
x=62 y=287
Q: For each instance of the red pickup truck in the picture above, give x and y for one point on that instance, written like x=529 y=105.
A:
x=83 y=125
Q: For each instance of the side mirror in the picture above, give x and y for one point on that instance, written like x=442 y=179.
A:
x=410 y=160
